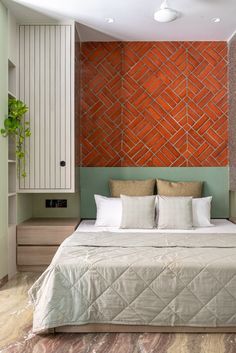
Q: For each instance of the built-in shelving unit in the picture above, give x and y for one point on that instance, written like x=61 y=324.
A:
x=11 y=151
x=11 y=79
x=12 y=165
x=12 y=196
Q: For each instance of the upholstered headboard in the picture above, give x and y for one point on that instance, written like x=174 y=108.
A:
x=94 y=180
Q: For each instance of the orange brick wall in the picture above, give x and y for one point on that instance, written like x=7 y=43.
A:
x=154 y=104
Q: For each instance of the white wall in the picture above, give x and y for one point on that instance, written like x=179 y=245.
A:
x=3 y=142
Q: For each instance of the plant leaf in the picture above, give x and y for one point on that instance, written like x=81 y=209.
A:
x=15 y=125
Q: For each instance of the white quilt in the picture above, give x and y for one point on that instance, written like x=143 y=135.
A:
x=139 y=279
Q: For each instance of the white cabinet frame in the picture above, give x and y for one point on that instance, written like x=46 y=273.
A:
x=46 y=85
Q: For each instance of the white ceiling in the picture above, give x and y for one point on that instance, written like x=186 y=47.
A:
x=133 y=19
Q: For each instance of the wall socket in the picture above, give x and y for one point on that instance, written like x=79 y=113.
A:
x=55 y=203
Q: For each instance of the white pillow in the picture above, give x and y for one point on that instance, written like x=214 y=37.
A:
x=109 y=211
x=138 y=212
x=156 y=210
x=202 y=212
x=175 y=212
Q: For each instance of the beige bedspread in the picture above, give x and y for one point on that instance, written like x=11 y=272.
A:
x=139 y=279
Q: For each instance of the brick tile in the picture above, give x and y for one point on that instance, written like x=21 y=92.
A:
x=153 y=104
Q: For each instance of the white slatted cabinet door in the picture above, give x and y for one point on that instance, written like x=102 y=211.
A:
x=27 y=102
x=42 y=110
x=68 y=112
x=47 y=131
x=31 y=106
x=21 y=181
x=52 y=106
x=46 y=86
x=58 y=108
x=62 y=146
x=37 y=108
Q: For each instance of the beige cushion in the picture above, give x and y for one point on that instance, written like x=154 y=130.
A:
x=132 y=187
x=181 y=188
x=138 y=211
x=175 y=212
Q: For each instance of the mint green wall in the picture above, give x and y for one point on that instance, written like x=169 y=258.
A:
x=95 y=180
x=3 y=142
x=233 y=204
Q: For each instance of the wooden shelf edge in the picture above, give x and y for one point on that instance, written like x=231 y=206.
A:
x=11 y=194
x=12 y=95
x=11 y=64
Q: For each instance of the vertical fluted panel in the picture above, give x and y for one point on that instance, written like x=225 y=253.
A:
x=21 y=83
x=36 y=137
x=31 y=175
x=46 y=87
x=27 y=101
x=53 y=105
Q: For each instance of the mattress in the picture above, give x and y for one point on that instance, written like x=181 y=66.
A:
x=139 y=278
x=219 y=226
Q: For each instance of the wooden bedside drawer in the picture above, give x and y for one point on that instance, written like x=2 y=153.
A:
x=43 y=231
x=35 y=255
x=38 y=240
x=43 y=235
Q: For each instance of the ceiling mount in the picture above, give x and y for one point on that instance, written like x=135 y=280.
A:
x=165 y=14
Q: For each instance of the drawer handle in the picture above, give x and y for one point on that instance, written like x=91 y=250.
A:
x=62 y=163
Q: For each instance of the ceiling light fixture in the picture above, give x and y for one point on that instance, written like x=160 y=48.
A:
x=215 y=20
x=165 y=14
x=109 y=19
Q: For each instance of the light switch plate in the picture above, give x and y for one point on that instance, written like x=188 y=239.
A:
x=55 y=203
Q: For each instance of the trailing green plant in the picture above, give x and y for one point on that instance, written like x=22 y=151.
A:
x=16 y=126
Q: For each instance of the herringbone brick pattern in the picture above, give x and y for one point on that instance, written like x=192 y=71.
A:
x=154 y=104
x=101 y=132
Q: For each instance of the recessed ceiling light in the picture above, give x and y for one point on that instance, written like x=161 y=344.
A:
x=109 y=19
x=215 y=20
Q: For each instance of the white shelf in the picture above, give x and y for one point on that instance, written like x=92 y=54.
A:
x=12 y=165
x=12 y=194
x=11 y=64
x=11 y=79
x=12 y=95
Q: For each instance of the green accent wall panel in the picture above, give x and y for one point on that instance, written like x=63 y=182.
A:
x=94 y=180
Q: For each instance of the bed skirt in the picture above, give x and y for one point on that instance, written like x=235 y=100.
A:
x=105 y=328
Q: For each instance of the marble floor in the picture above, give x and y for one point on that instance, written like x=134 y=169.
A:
x=16 y=335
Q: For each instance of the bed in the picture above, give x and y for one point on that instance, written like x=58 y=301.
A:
x=113 y=280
